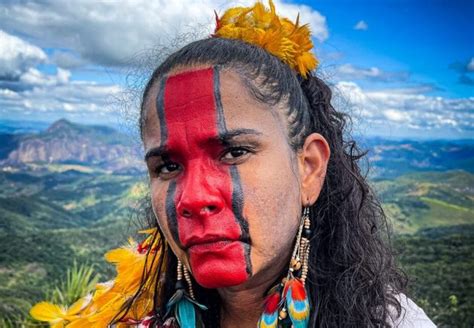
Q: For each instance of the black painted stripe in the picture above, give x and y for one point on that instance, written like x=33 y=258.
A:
x=221 y=127
x=237 y=194
x=238 y=202
x=171 y=212
x=160 y=109
x=237 y=207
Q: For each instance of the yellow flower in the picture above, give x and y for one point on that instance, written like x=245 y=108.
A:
x=279 y=36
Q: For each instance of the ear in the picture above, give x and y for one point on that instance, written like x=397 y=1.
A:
x=313 y=159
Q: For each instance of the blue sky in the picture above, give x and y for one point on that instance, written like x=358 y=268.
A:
x=402 y=69
x=423 y=38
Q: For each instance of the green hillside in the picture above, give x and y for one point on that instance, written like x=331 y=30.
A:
x=25 y=214
x=53 y=215
x=422 y=200
x=439 y=262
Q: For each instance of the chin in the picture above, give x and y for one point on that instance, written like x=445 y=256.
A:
x=219 y=268
x=220 y=278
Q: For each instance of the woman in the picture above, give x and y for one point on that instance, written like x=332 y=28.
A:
x=261 y=214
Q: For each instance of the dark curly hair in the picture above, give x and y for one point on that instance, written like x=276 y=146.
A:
x=353 y=280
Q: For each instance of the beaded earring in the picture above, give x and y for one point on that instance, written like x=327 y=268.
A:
x=287 y=303
x=183 y=303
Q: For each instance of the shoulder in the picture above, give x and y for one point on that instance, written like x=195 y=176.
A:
x=411 y=316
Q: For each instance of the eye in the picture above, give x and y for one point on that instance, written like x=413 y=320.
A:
x=167 y=170
x=234 y=155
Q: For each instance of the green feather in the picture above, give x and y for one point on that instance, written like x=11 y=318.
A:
x=184 y=309
x=185 y=313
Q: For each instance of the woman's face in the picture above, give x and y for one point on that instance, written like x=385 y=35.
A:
x=225 y=185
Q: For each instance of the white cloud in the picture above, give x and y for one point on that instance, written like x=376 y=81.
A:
x=17 y=66
x=404 y=110
x=361 y=25
x=470 y=65
x=17 y=56
x=412 y=90
x=26 y=92
x=7 y=93
x=81 y=100
x=396 y=115
x=33 y=77
x=66 y=59
x=112 y=32
x=316 y=21
x=349 y=71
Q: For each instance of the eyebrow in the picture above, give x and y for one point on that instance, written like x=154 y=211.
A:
x=225 y=139
x=156 y=152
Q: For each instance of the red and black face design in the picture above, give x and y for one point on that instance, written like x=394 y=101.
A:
x=204 y=205
x=223 y=184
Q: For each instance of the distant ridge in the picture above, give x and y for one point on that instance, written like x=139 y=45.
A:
x=61 y=124
x=68 y=142
x=64 y=127
x=105 y=147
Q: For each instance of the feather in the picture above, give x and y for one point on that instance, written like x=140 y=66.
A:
x=297 y=303
x=184 y=309
x=79 y=305
x=175 y=299
x=109 y=298
x=278 y=35
x=269 y=318
x=185 y=314
x=45 y=311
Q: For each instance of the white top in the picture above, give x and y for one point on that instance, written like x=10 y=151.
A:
x=411 y=316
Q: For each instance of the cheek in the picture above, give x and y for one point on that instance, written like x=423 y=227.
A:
x=158 y=197
x=272 y=208
x=158 y=201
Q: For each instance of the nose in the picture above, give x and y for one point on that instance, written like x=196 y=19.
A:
x=198 y=209
x=199 y=198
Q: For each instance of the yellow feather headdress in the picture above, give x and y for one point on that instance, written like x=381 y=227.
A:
x=260 y=26
x=107 y=301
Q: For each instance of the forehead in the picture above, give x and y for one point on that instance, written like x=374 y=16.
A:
x=197 y=93
x=184 y=97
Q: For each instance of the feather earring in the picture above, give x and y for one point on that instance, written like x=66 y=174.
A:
x=269 y=318
x=287 y=303
x=183 y=303
x=297 y=303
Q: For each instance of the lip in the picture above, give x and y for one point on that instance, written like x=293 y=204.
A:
x=211 y=247
x=207 y=241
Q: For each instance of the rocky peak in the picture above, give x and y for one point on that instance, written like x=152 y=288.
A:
x=59 y=125
x=67 y=142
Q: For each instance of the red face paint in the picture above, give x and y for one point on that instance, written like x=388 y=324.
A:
x=203 y=198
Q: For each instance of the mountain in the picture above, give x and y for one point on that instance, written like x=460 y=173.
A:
x=70 y=143
x=389 y=159
x=103 y=147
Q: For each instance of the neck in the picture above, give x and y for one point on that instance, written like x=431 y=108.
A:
x=242 y=306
